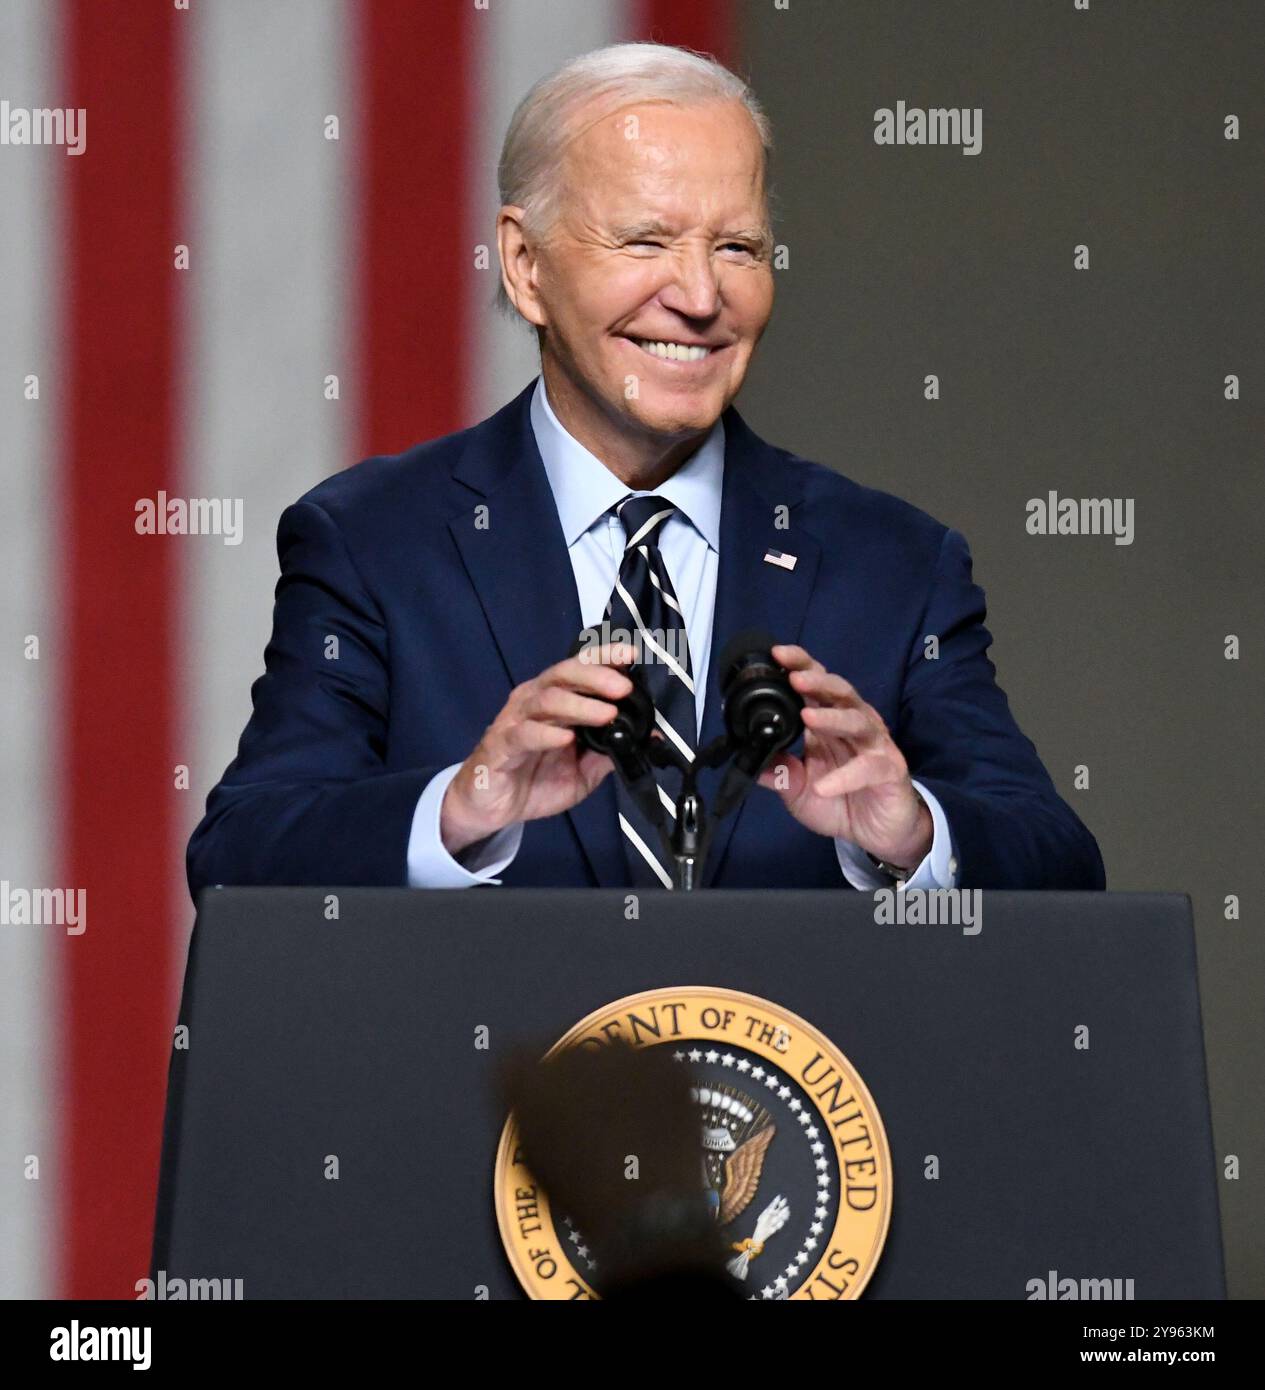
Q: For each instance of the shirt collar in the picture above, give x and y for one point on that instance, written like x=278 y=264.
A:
x=584 y=488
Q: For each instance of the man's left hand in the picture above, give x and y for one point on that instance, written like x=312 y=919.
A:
x=852 y=781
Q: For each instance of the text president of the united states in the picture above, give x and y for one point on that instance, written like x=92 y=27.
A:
x=415 y=723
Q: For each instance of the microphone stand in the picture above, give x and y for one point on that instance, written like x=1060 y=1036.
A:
x=691 y=835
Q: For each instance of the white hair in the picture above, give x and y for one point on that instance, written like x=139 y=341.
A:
x=528 y=174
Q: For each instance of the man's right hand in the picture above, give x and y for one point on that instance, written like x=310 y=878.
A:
x=528 y=763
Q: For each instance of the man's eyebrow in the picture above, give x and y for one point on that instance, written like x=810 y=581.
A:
x=651 y=227
x=636 y=229
x=757 y=234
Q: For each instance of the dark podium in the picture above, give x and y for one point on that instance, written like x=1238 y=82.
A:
x=311 y=1039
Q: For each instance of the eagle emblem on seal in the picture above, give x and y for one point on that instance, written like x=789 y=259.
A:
x=736 y=1134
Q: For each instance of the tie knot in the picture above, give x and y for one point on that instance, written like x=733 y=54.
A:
x=642 y=517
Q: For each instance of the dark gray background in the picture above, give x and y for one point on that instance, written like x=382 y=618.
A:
x=1104 y=128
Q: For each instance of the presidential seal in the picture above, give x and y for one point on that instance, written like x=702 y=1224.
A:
x=792 y=1153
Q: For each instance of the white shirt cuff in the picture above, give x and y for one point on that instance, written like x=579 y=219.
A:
x=429 y=863
x=939 y=869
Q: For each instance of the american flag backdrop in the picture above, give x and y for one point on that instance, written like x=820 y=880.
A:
x=264 y=266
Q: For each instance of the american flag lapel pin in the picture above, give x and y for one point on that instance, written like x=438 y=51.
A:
x=778 y=557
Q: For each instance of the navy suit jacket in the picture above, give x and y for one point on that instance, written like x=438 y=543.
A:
x=440 y=609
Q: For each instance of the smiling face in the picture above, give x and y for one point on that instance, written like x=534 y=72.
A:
x=657 y=272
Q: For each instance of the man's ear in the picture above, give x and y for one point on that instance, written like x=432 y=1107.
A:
x=518 y=265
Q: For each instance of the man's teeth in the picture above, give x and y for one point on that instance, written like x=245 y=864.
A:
x=674 y=352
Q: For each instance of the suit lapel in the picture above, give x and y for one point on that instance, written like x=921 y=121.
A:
x=516 y=556
x=761 y=497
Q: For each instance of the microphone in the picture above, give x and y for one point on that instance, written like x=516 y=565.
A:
x=762 y=712
x=626 y=739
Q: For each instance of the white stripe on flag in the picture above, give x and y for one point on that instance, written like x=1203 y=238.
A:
x=29 y=312
x=517 y=43
x=271 y=319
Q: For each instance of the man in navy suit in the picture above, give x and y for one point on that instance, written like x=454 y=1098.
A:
x=416 y=720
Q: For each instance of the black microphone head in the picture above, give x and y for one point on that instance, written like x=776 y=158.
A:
x=628 y=733
x=761 y=707
x=751 y=646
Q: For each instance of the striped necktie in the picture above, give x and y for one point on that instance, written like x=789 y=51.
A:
x=644 y=604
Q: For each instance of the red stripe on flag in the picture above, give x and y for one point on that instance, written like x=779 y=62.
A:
x=707 y=26
x=414 y=76
x=118 y=835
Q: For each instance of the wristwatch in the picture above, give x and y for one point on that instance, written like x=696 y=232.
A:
x=893 y=871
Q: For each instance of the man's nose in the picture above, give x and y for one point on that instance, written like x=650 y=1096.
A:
x=694 y=289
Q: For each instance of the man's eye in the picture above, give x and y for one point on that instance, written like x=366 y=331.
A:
x=739 y=246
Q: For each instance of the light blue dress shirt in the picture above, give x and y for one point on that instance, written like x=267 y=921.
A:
x=584 y=491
